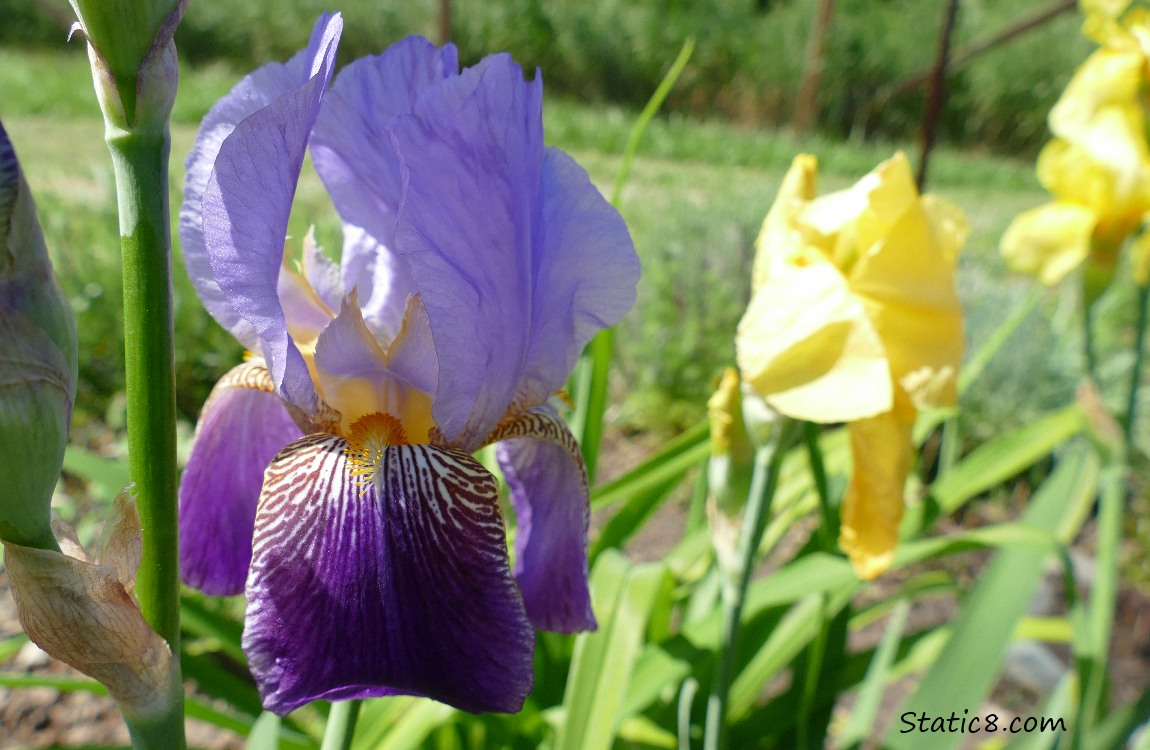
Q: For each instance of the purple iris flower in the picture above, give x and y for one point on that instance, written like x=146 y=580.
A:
x=332 y=477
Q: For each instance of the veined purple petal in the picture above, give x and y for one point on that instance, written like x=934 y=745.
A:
x=352 y=148
x=383 y=281
x=548 y=483
x=518 y=258
x=473 y=149
x=242 y=427
x=587 y=271
x=396 y=585
x=254 y=92
x=245 y=212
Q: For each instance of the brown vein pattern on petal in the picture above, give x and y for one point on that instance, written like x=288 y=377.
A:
x=394 y=582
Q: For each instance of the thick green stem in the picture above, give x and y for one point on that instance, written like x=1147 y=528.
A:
x=1131 y=416
x=340 y=725
x=768 y=462
x=140 y=160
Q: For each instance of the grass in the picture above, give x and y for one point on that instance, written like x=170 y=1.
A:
x=694 y=203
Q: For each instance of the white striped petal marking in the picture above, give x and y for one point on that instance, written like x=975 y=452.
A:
x=396 y=584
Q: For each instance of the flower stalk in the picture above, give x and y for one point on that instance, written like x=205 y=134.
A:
x=1131 y=416
x=134 y=72
x=340 y=727
x=736 y=580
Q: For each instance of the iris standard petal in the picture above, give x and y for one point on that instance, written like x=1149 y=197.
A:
x=807 y=346
x=472 y=233
x=245 y=210
x=586 y=273
x=242 y=427
x=907 y=286
x=254 y=92
x=352 y=148
x=392 y=582
x=548 y=484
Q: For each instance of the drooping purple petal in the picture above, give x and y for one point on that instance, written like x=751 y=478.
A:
x=473 y=150
x=548 y=483
x=396 y=585
x=586 y=277
x=242 y=427
x=352 y=148
x=254 y=92
x=245 y=211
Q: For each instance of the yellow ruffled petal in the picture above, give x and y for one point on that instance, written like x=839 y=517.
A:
x=907 y=285
x=873 y=506
x=777 y=235
x=1109 y=77
x=1049 y=241
x=849 y=222
x=806 y=345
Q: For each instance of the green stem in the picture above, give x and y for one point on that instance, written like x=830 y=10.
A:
x=828 y=530
x=1103 y=600
x=341 y=725
x=816 y=656
x=1088 y=344
x=1131 y=417
x=140 y=161
x=768 y=462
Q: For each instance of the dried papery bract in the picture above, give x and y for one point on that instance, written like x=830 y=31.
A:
x=81 y=611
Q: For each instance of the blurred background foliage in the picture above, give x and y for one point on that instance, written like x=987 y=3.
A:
x=746 y=67
x=707 y=170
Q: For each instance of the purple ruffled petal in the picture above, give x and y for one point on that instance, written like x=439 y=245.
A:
x=352 y=148
x=473 y=149
x=242 y=427
x=586 y=277
x=245 y=211
x=518 y=258
x=254 y=92
x=399 y=584
x=548 y=483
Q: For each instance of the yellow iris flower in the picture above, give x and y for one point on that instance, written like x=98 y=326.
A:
x=854 y=318
x=1097 y=167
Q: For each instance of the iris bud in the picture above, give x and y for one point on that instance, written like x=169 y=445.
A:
x=133 y=58
x=37 y=364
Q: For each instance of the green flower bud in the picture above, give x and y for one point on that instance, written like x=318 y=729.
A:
x=37 y=365
x=133 y=57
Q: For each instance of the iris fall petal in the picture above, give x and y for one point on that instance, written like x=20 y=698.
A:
x=242 y=427
x=393 y=582
x=548 y=485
